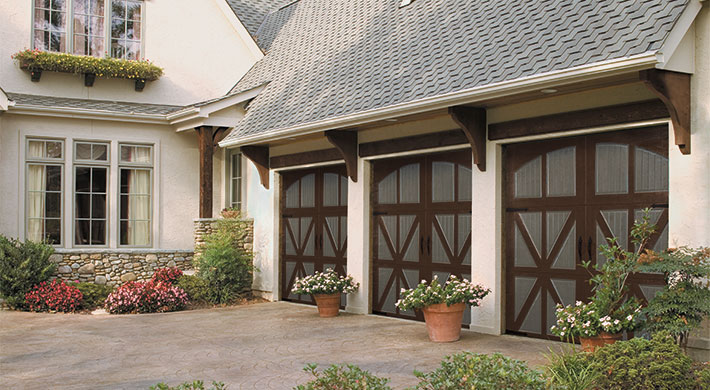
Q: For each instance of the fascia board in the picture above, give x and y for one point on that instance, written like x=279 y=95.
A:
x=679 y=32
x=491 y=91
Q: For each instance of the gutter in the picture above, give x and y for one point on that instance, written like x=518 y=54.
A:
x=466 y=96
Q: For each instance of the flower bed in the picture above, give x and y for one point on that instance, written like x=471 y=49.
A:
x=167 y=275
x=146 y=297
x=37 y=61
x=54 y=296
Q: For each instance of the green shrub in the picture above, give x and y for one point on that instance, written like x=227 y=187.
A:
x=22 y=266
x=94 y=294
x=223 y=263
x=343 y=377
x=197 y=289
x=570 y=370
x=194 y=385
x=467 y=370
x=640 y=364
x=701 y=372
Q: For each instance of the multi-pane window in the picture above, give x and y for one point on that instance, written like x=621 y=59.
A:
x=85 y=23
x=126 y=29
x=135 y=181
x=235 y=180
x=90 y=193
x=44 y=190
x=89 y=31
x=50 y=29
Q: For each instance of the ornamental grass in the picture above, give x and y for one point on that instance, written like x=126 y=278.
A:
x=101 y=67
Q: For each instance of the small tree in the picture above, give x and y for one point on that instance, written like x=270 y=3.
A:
x=224 y=263
x=22 y=266
x=685 y=299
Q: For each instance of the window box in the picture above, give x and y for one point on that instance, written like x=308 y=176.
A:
x=36 y=61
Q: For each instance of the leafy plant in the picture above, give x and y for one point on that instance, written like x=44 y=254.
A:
x=196 y=288
x=343 y=377
x=223 y=263
x=685 y=299
x=23 y=265
x=701 y=373
x=101 y=67
x=328 y=282
x=194 y=385
x=640 y=364
x=583 y=320
x=94 y=294
x=54 y=296
x=453 y=291
x=167 y=275
x=467 y=370
x=146 y=297
x=570 y=370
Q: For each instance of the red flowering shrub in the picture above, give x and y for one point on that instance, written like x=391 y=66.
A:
x=146 y=297
x=54 y=296
x=167 y=275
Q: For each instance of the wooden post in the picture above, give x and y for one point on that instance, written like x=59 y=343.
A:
x=208 y=139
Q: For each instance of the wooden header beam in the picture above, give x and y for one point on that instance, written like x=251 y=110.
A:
x=673 y=88
x=346 y=143
x=472 y=121
x=259 y=156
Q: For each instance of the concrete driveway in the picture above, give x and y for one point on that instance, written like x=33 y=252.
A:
x=261 y=346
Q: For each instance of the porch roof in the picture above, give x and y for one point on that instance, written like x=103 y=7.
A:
x=21 y=100
x=337 y=58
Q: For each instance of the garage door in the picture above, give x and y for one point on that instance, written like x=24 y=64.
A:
x=421 y=223
x=314 y=206
x=563 y=198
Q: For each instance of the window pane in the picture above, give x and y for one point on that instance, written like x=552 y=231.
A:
x=83 y=206
x=98 y=181
x=58 y=5
x=82 y=178
x=54 y=177
x=54 y=149
x=83 y=151
x=98 y=206
x=99 y=152
x=135 y=233
x=53 y=231
x=82 y=231
x=136 y=154
x=42 y=19
x=133 y=10
x=53 y=205
x=42 y=3
x=98 y=233
x=118 y=8
x=133 y=30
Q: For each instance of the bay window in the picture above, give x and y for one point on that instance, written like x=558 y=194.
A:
x=45 y=166
x=84 y=21
x=135 y=181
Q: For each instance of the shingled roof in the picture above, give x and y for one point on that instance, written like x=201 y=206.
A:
x=252 y=13
x=332 y=58
x=21 y=99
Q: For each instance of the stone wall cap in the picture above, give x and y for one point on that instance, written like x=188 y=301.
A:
x=120 y=250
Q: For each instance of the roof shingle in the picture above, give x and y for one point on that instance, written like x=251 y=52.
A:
x=99 y=105
x=330 y=58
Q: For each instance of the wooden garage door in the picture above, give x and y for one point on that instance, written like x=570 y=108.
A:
x=564 y=197
x=314 y=206
x=421 y=224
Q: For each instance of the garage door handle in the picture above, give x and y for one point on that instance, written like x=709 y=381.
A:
x=421 y=245
x=579 y=247
x=589 y=248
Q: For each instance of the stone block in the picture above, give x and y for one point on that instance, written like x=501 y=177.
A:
x=171 y=263
x=65 y=269
x=56 y=258
x=151 y=257
x=128 y=277
x=87 y=269
x=76 y=265
x=74 y=257
x=100 y=279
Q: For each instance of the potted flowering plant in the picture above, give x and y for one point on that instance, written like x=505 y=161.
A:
x=610 y=311
x=443 y=306
x=326 y=288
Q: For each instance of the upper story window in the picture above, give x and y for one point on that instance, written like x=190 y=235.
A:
x=84 y=22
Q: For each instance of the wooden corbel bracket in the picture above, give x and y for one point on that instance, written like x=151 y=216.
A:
x=346 y=143
x=472 y=121
x=259 y=156
x=673 y=88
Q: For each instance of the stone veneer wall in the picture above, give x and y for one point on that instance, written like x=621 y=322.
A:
x=204 y=226
x=116 y=266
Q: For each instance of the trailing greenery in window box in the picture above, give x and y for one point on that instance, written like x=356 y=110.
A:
x=37 y=61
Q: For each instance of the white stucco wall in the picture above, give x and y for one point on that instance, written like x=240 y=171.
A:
x=201 y=46
x=176 y=174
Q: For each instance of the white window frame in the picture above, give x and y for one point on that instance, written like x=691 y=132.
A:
x=136 y=166
x=231 y=177
x=82 y=163
x=69 y=28
x=46 y=161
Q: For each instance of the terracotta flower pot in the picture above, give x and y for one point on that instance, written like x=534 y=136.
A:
x=591 y=344
x=328 y=304
x=443 y=323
